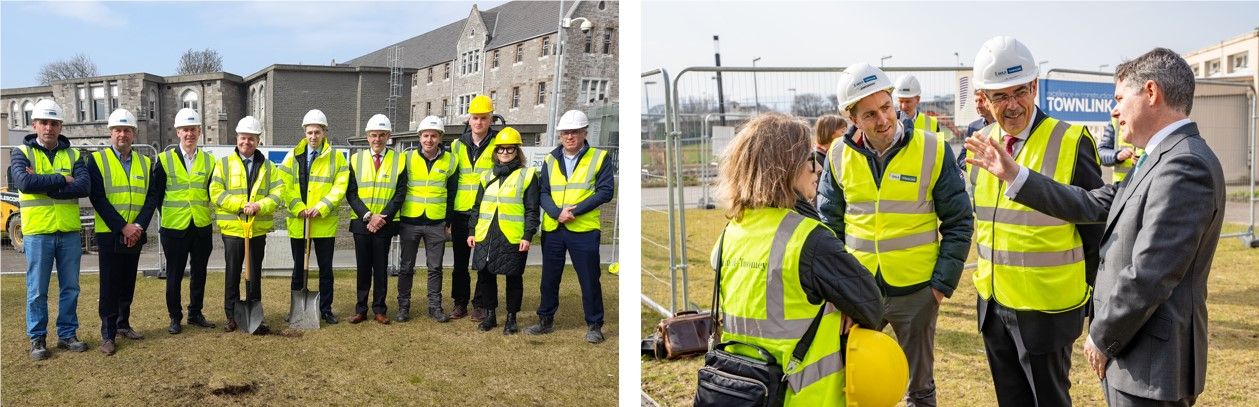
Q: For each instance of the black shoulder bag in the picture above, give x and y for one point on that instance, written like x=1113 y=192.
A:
x=732 y=380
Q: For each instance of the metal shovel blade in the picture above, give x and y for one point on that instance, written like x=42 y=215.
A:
x=304 y=310
x=248 y=314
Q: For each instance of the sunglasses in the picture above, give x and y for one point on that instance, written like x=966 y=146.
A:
x=504 y=150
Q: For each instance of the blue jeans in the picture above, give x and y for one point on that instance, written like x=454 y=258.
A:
x=41 y=251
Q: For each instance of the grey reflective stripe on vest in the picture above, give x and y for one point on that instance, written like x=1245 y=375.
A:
x=31 y=203
x=1016 y=217
x=775 y=325
x=183 y=204
x=836 y=158
x=891 y=206
x=423 y=200
x=811 y=373
x=898 y=243
x=1031 y=259
x=508 y=218
x=1050 y=164
x=928 y=164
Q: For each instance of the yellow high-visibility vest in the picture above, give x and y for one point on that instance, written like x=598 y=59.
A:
x=1029 y=260
x=426 y=188
x=505 y=200
x=763 y=303
x=470 y=173
x=187 y=198
x=1122 y=168
x=325 y=190
x=926 y=123
x=376 y=186
x=44 y=215
x=891 y=227
x=227 y=190
x=124 y=190
x=573 y=189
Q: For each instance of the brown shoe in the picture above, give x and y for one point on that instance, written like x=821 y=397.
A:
x=478 y=314
x=382 y=319
x=130 y=334
x=358 y=318
x=108 y=348
x=459 y=312
x=229 y=326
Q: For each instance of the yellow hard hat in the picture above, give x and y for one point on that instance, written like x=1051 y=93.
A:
x=507 y=135
x=876 y=372
x=481 y=104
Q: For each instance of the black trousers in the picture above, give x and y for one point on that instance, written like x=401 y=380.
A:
x=118 y=287
x=460 y=280
x=487 y=291
x=323 y=248
x=371 y=254
x=234 y=259
x=1023 y=378
x=583 y=248
x=179 y=247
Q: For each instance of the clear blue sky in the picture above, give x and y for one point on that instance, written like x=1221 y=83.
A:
x=1074 y=35
x=127 y=37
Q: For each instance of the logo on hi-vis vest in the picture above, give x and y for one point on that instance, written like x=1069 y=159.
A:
x=902 y=177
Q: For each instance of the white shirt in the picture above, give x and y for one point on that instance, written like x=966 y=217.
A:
x=188 y=157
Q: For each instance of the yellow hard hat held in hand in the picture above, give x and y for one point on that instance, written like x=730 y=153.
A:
x=876 y=371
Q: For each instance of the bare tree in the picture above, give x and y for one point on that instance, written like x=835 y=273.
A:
x=206 y=60
x=79 y=66
x=811 y=105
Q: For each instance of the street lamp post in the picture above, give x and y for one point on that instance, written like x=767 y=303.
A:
x=756 y=95
x=562 y=40
x=793 y=99
x=958 y=57
x=647 y=95
x=1041 y=65
x=883 y=59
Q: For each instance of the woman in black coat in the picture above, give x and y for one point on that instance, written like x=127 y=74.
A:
x=508 y=207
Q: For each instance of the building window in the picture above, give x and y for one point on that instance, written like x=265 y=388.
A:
x=262 y=101
x=463 y=103
x=590 y=41
x=494 y=60
x=190 y=100
x=546 y=47
x=428 y=108
x=152 y=104
x=113 y=95
x=14 y=114
x=81 y=102
x=607 y=41
x=415 y=80
x=430 y=74
x=493 y=96
x=602 y=6
x=1238 y=62
x=99 y=105
x=520 y=53
x=445 y=107
x=1197 y=72
x=592 y=90
x=1213 y=67
x=515 y=97
x=27 y=111
x=470 y=62
x=447 y=74
x=541 y=92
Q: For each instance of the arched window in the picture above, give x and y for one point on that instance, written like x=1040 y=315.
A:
x=253 y=101
x=27 y=110
x=191 y=100
x=152 y=104
x=14 y=114
x=262 y=101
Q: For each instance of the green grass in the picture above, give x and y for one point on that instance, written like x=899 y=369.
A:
x=962 y=375
x=415 y=363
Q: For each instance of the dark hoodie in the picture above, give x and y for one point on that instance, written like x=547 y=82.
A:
x=54 y=185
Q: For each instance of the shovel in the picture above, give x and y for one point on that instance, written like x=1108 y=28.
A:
x=304 y=304
x=248 y=313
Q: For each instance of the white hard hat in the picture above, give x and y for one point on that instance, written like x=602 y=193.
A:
x=121 y=117
x=379 y=122
x=1003 y=62
x=858 y=81
x=432 y=123
x=573 y=120
x=187 y=117
x=249 y=125
x=47 y=109
x=907 y=87
x=315 y=116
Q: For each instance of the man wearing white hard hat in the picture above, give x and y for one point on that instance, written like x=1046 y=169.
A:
x=50 y=178
x=892 y=194
x=577 y=180
x=432 y=181
x=1035 y=271
x=317 y=177
x=377 y=184
x=124 y=205
x=182 y=178
x=908 y=94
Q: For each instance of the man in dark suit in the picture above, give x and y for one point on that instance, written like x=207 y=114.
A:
x=1148 y=336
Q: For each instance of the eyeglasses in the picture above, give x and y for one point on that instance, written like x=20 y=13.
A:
x=504 y=150
x=1019 y=94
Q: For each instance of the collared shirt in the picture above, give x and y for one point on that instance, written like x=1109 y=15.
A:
x=189 y=157
x=896 y=138
x=249 y=165
x=570 y=163
x=126 y=162
x=311 y=153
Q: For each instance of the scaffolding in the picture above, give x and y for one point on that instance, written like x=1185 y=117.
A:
x=395 y=83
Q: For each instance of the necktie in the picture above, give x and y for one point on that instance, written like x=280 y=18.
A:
x=1139 y=162
x=377 y=161
x=1009 y=144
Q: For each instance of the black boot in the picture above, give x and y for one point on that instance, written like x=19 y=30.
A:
x=39 y=348
x=404 y=314
x=509 y=327
x=490 y=321
x=545 y=325
x=437 y=314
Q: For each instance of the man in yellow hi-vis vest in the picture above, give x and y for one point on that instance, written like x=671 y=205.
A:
x=316 y=176
x=432 y=181
x=892 y=194
x=1116 y=153
x=50 y=178
x=1035 y=271
x=474 y=150
x=375 y=190
x=181 y=176
x=908 y=94
x=124 y=206
x=576 y=180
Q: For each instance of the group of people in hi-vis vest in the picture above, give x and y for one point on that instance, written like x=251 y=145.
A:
x=876 y=232
x=479 y=194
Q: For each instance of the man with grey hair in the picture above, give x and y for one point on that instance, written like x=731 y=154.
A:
x=1148 y=337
